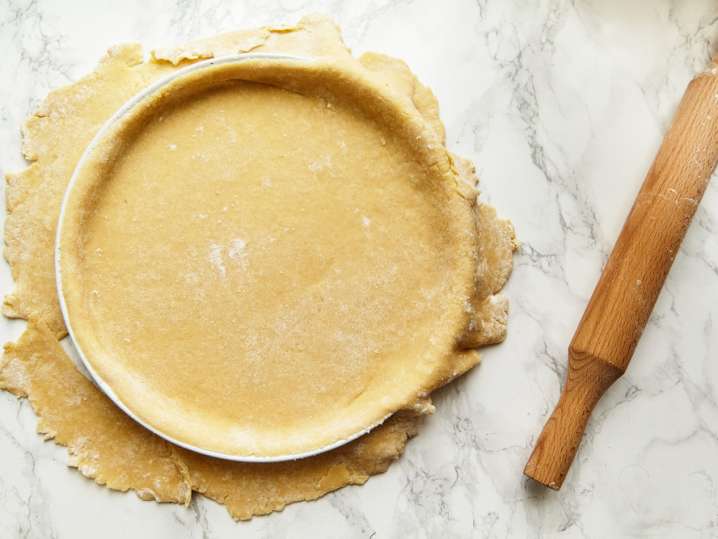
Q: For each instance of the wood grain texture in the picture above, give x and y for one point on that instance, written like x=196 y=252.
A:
x=633 y=277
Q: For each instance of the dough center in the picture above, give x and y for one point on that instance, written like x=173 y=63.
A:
x=261 y=256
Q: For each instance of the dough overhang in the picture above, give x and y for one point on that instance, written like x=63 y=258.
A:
x=53 y=139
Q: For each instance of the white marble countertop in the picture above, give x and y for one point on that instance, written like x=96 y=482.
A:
x=562 y=105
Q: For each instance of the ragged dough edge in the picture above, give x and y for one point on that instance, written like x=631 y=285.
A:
x=54 y=137
x=397 y=74
x=313 y=36
x=236 y=42
x=243 y=488
x=258 y=489
x=497 y=244
x=488 y=308
x=102 y=442
x=107 y=446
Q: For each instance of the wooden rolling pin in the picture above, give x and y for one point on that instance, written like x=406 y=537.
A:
x=634 y=274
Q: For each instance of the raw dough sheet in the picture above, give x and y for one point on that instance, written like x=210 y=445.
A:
x=104 y=444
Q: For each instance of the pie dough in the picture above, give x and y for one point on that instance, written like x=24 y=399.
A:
x=109 y=447
x=267 y=257
x=54 y=138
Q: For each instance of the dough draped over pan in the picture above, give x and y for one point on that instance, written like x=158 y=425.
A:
x=109 y=447
x=54 y=138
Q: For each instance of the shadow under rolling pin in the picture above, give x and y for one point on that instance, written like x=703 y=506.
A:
x=633 y=276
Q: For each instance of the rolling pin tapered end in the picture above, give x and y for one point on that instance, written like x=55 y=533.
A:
x=588 y=379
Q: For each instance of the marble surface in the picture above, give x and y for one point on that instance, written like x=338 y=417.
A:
x=562 y=105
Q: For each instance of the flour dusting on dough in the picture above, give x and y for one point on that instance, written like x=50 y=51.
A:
x=103 y=442
x=320 y=164
x=215 y=258
x=237 y=249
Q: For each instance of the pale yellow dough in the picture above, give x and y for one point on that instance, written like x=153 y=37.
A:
x=54 y=138
x=109 y=447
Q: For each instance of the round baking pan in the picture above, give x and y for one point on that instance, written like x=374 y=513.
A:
x=62 y=259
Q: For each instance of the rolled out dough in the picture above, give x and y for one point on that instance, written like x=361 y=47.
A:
x=267 y=257
x=53 y=139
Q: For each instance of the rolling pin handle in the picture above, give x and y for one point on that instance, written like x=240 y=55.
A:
x=588 y=379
